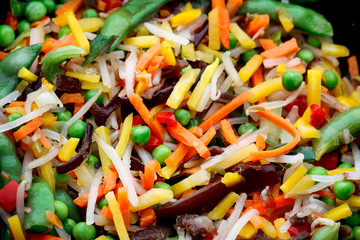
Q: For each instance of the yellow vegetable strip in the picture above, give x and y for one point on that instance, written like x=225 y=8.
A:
x=285 y=20
x=250 y=67
x=125 y=135
x=91 y=24
x=266 y=88
x=340 y=212
x=184 y=17
x=79 y=35
x=104 y=134
x=214 y=30
x=152 y=197
x=93 y=78
x=199 y=178
x=223 y=206
x=241 y=36
x=314 y=87
x=293 y=179
x=15 y=227
x=142 y=41
x=68 y=149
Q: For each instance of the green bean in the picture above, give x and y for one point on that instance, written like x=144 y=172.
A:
x=9 y=161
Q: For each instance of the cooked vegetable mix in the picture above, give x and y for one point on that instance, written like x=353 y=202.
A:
x=144 y=119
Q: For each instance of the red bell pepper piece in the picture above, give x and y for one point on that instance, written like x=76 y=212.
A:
x=153 y=142
x=8 y=196
x=167 y=118
x=328 y=161
x=11 y=20
x=208 y=238
x=295 y=230
x=137 y=120
x=300 y=102
x=318 y=116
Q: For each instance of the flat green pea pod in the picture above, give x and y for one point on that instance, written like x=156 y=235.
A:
x=331 y=132
x=303 y=18
x=40 y=199
x=63 y=196
x=9 y=161
x=327 y=232
x=12 y=63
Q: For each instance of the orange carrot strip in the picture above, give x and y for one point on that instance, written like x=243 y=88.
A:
x=260 y=142
x=77 y=107
x=183 y=135
x=267 y=43
x=146 y=58
x=82 y=200
x=280 y=201
x=40 y=236
x=224 y=26
x=256 y=79
x=3 y=55
x=49 y=45
x=52 y=218
x=325 y=194
x=287 y=126
x=260 y=21
x=101 y=5
x=299 y=68
x=149 y=173
x=44 y=141
x=28 y=128
x=228 y=131
x=68 y=40
x=72 y=98
x=144 y=112
x=72 y=5
x=123 y=200
x=198 y=132
x=41 y=21
x=258 y=221
x=353 y=66
x=217 y=4
x=154 y=65
x=206 y=138
x=105 y=211
x=110 y=181
x=233 y=5
x=147 y=216
x=282 y=50
x=177 y=155
x=17 y=104
x=225 y=110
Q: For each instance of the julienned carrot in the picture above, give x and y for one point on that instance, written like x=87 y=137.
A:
x=49 y=45
x=110 y=181
x=146 y=115
x=260 y=142
x=233 y=5
x=228 y=131
x=41 y=21
x=28 y=128
x=183 y=135
x=40 y=236
x=3 y=55
x=177 y=155
x=151 y=167
x=353 y=66
x=146 y=58
x=225 y=110
x=298 y=68
x=77 y=107
x=267 y=43
x=206 y=138
x=282 y=50
x=198 y=132
x=72 y=98
x=147 y=216
x=53 y=219
x=105 y=211
x=325 y=194
x=284 y=124
x=280 y=201
x=123 y=200
x=72 y=5
x=82 y=200
x=154 y=65
x=217 y=4
x=68 y=40
x=224 y=26
x=17 y=104
x=101 y=5
x=260 y=21
x=258 y=78
x=11 y=20
x=44 y=141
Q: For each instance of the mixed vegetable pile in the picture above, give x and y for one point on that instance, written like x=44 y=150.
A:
x=158 y=119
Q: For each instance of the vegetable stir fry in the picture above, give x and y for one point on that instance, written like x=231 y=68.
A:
x=164 y=120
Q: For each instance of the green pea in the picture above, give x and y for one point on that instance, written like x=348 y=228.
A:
x=77 y=129
x=61 y=210
x=35 y=11
x=246 y=56
x=193 y=122
x=63 y=116
x=291 y=80
x=50 y=5
x=329 y=80
x=356 y=231
x=140 y=135
x=313 y=41
x=162 y=185
x=23 y=26
x=82 y=231
x=317 y=171
x=343 y=189
x=65 y=30
x=90 y=13
x=351 y=234
x=92 y=160
x=183 y=116
x=233 y=42
x=329 y=201
x=243 y=128
x=13 y=117
x=89 y=94
x=305 y=55
x=68 y=225
x=17 y=8
x=103 y=202
x=345 y=165
x=62 y=178
x=160 y=153
x=7 y=35
x=353 y=220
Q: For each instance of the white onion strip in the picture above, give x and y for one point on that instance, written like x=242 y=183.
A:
x=105 y=76
x=130 y=65
x=356 y=155
x=54 y=135
x=230 y=69
x=327 y=178
x=9 y=98
x=44 y=159
x=165 y=34
x=25 y=171
x=272 y=62
x=90 y=210
x=292 y=159
x=20 y=203
x=241 y=223
x=62 y=233
x=215 y=92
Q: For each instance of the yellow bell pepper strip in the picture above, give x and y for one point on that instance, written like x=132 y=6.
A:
x=304 y=183
x=60 y=20
x=93 y=78
x=340 y=212
x=285 y=20
x=214 y=30
x=248 y=231
x=188 y=52
x=265 y=89
x=117 y=216
x=269 y=229
x=278 y=223
x=168 y=54
x=340 y=170
x=241 y=36
x=188 y=6
x=152 y=197
x=184 y=17
x=48 y=86
x=182 y=87
x=91 y=24
x=142 y=41
x=167 y=171
x=47 y=174
x=11 y=110
x=201 y=85
x=223 y=206
x=68 y=149
x=231 y=179
x=79 y=35
x=85 y=85
x=26 y=75
x=348 y=101
x=314 y=87
x=205 y=57
x=306 y=130
x=199 y=178
x=102 y=237
x=142 y=84
x=125 y=135
x=250 y=67
x=15 y=227
x=22 y=86
x=203 y=48
x=85 y=175
x=106 y=162
x=334 y=50
x=353 y=201
x=293 y=179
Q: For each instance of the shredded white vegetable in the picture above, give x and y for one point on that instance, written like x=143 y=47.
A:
x=165 y=34
x=9 y=98
x=53 y=152
x=90 y=210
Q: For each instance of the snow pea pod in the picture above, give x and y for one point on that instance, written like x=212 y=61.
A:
x=12 y=63
x=303 y=18
x=9 y=161
x=331 y=132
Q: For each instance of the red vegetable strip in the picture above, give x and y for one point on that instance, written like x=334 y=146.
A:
x=353 y=66
x=149 y=173
x=11 y=20
x=123 y=200
x=282 y=50
x=224 y=27
x=72 y=5
x=280 y=201
x=228 y=131
x=260 y=21
x=206 y=138
x=177 y=155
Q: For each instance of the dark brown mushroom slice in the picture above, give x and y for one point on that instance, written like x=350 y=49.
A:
x=152 y=233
